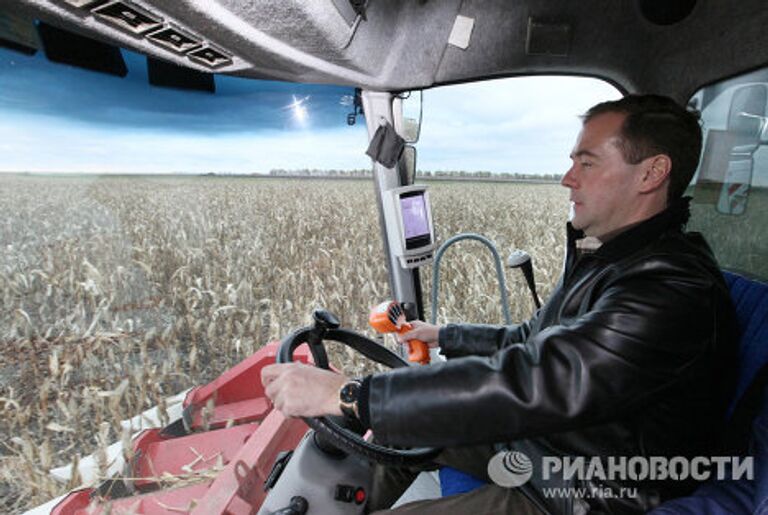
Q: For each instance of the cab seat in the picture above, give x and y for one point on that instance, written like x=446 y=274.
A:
x=747 y=415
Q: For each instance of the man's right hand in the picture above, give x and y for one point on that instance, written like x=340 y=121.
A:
x=423 y=331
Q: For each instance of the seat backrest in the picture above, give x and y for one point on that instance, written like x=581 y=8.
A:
x=750 y=298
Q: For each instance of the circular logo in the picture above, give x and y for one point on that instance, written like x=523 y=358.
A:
x=510 y=469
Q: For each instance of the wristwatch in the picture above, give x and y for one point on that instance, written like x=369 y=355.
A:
x=348 y=396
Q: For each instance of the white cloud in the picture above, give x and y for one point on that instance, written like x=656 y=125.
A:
x=525 y=125
x=47 y=144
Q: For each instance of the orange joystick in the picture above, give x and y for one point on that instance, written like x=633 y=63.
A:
x=389 y=317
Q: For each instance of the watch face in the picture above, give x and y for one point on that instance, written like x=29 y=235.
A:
x=350 y=392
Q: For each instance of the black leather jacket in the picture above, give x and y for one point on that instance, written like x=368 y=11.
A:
x=631 y=356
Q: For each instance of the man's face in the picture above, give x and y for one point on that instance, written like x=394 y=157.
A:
x=603 y=186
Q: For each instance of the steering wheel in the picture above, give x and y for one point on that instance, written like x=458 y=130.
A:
x=327 y=326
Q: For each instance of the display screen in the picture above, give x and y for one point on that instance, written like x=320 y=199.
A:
x=415 y=219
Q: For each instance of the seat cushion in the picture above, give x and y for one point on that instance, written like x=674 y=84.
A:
x=453 y=481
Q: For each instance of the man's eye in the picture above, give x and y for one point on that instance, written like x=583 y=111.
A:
x=585 y=164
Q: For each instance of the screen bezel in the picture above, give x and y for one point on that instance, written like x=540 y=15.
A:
x=422 y=240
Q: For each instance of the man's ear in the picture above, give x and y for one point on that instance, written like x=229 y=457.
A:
x=655 y=172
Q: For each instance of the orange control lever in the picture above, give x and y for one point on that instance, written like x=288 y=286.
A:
x=389 y=317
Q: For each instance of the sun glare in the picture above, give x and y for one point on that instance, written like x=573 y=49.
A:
x=299 y=110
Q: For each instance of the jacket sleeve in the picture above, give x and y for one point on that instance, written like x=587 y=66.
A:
x=638 y=338
x=458 y=340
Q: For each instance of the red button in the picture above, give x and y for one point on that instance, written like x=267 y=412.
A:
x=359 y=496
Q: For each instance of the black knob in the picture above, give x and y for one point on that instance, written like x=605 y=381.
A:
x=299 y=505
x=325 y=320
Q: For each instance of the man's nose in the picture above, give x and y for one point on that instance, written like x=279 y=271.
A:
x=568 y=179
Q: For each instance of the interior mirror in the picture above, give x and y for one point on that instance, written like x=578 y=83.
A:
x=746 y=123
x=407 y=108
x=408 y=166
x=747 y=113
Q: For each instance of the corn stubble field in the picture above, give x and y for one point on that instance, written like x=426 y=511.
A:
x=118 y=292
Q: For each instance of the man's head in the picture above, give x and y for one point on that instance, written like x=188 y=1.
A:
x=632 y=157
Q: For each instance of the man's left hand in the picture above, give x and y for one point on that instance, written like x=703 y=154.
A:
x=300 y=390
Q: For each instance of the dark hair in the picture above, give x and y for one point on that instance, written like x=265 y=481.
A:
x=654 y=125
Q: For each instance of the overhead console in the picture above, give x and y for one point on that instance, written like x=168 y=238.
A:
x=365 y=43
x=290 y=40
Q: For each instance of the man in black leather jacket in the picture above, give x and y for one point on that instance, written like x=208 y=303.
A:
x=630 y=357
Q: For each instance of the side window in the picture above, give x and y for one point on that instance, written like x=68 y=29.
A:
x=493 y=154
x=730 y=190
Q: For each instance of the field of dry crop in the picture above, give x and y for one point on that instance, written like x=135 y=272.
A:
x=118 y=292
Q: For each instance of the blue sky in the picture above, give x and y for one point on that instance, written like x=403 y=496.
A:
x=59 y=118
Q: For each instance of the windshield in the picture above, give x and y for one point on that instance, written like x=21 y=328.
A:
x=58 y=118
x=150 y=239
x=144 y=247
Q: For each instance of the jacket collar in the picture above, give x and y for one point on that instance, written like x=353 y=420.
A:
x=637 y=236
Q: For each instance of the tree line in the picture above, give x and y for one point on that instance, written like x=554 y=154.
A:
x=425 y=174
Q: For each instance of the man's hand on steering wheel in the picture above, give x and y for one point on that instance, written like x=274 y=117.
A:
x=300 y=390
x=313 y=392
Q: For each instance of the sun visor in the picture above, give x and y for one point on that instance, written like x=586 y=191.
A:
x=17 y=32
x=66 y=47
x=169 y=75
x=386 y=146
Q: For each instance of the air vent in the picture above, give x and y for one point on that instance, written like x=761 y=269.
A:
x=128 y=16
x=210 y=56
x=173 y=38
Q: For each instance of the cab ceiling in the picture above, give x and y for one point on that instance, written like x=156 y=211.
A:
x=406 y=44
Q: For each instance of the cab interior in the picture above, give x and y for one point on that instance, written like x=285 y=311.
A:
x=709 y=54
